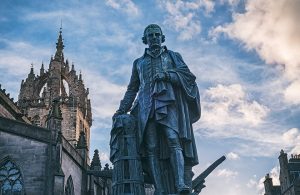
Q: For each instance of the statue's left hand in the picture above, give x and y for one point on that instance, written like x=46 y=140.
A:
x=161 y=76
x=118 y=113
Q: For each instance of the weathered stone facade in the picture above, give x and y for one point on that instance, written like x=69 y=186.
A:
x=289 y=177
x=45 y=136
x=59 y=81
x=28 y=154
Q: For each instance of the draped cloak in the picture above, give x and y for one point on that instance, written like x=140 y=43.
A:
x=181 y=95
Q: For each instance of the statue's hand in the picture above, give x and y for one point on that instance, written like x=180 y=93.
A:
x=118 y=113
x=162 y=76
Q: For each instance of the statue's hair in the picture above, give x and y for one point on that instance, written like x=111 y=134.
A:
x=153 y=26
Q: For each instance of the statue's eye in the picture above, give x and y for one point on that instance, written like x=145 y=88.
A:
x=157 y=34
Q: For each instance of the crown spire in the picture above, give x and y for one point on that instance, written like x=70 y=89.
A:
x=59 y=47
x=31 y=69
x=42 y=69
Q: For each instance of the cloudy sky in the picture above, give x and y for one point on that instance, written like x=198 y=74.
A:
x=245 y=54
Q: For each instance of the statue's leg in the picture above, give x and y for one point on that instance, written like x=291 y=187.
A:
x=176 y=160
x=188 y=175
x=150 y=139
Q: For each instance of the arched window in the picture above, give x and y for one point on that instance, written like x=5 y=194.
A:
x=11 y=181
x=65 y=90
x=69 y=189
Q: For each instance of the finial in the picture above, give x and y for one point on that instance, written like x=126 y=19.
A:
x=80 y=75
x=31 y=69
x=73 y=69
x=60 y=24
x=106 y=168
x=59 y=47
x=42 y=67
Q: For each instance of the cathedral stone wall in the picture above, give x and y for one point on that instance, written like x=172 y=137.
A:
x=69 y=124
x=41 y=113
x=49 y=105
x=30 y=156
x=70 y=167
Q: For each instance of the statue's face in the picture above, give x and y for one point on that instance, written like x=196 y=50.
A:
x=154 y=37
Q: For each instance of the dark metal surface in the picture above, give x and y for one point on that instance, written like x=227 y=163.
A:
x=198 y=183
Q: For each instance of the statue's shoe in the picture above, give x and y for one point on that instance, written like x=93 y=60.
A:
x=159 y=193
x=183 y=189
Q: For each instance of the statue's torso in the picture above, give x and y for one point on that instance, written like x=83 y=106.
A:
x=147 y=68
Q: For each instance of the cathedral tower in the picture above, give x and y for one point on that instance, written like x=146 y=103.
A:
x=58 y=82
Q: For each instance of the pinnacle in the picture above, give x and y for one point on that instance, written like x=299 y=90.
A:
x=59 y=48
x=96 y=160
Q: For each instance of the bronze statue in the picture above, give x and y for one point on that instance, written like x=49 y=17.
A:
x=163 y=97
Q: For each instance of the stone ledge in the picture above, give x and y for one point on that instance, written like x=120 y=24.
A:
x=25 y=130
x=71 y=151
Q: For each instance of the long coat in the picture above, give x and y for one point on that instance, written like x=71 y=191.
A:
x=187 y=101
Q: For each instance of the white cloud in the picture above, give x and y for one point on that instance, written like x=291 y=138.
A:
x=292 y=92
x=274 y=174
x=296 y=149
x=126 y=6
x=291 y=135
x=105 y=95
x=17 y=56
x=48 y=15
x=225 y=105
x=292 y=138
x=252 y=183
x=104 y=157
x=226 y=173
x=232 y=156
x=229 y=112
x=271 y=29
x=182 y=16
x=230 y=2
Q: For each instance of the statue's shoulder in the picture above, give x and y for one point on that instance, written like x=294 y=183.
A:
x=174 y=53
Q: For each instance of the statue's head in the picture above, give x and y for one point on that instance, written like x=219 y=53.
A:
x=153 y=36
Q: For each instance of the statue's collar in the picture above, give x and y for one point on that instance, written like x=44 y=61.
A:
x=147 y=51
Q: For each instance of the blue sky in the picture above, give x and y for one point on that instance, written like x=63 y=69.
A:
x=245 y=55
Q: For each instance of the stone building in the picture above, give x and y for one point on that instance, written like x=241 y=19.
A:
x=45 y=136
x=60 y=81
x=289 y=177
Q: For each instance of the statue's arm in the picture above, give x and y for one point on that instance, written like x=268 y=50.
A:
x=131 y=91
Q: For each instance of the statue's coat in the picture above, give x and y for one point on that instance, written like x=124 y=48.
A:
x=187 y=102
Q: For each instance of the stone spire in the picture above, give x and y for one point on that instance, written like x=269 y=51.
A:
x=42 y=70
x=80 y=76
x=82 y=144
x=31 y=74
x=96 y=164
x=82 y=147
x=59 y=56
